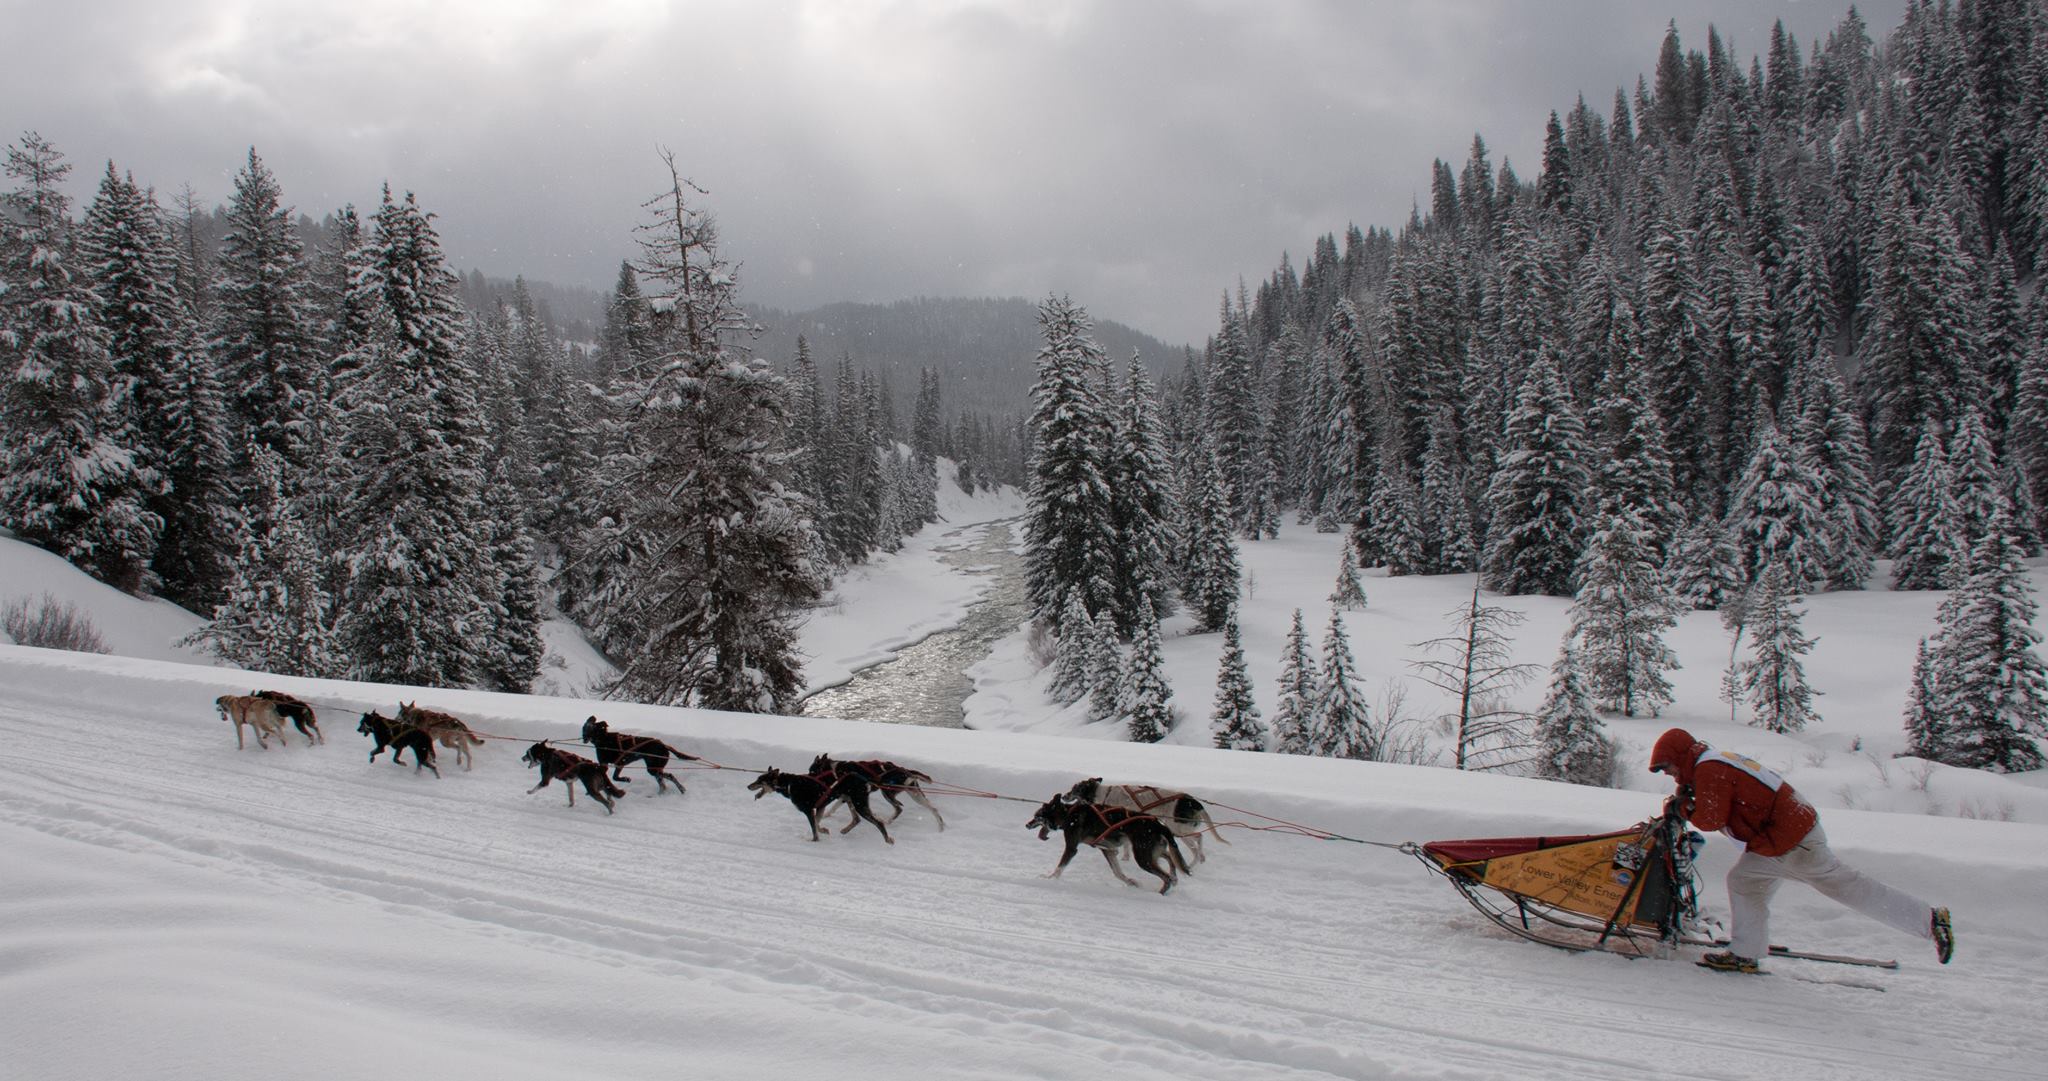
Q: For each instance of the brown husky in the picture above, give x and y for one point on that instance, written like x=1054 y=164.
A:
x=258 y=713
x=445 y=728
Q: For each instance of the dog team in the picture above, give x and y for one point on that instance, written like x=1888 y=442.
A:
x=1141 y=822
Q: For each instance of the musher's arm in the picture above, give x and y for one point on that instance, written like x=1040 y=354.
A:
x=1713 y=796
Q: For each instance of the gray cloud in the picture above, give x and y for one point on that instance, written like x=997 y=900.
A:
x=1141 y=156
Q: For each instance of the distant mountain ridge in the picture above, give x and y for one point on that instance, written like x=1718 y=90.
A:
x=983 y=347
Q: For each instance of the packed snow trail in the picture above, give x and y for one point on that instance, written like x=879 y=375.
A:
x=174 y=907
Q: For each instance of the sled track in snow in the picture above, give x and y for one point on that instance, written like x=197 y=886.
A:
x=1275 y=959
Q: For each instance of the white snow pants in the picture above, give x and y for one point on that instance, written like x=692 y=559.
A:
x=1754 y=878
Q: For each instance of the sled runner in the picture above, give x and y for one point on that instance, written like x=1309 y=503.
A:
x=1632 y=891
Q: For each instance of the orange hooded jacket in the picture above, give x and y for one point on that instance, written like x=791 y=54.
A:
x=1725 y=796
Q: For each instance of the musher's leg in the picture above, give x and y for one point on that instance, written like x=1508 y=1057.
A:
x=1750 y=884
x=1815 y=864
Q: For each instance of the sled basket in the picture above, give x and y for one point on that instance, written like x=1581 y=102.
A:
x=1632 y=891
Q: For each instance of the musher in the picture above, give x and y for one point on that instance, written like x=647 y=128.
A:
x=1782 y=838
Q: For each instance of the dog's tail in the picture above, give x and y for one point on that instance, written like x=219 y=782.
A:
x=1191 y=811
x=684 y=755
x=918 y=775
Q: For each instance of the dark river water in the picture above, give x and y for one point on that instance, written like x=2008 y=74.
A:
x=927 y=683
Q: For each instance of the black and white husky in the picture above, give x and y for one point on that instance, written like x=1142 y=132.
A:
x=1114 y=831
x=1182 y=813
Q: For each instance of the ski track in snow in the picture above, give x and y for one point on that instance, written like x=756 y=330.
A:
x=463 y=921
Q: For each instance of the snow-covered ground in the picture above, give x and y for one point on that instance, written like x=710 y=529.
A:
x=171 y=906
x=174 y=907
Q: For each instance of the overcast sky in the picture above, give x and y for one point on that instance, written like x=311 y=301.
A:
x=1140 y=156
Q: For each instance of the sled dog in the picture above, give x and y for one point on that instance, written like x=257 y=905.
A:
x=571 y=769
x=888 y=778
x=258 y=713
x=399 y=737
x=619 y=750
x=1182 y=813
x=811 y=795
x=445 y=728
x=1114 y=831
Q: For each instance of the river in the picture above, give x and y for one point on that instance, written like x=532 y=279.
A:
x=927 y=682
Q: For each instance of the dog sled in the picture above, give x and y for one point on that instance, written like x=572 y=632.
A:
x=1632 y=892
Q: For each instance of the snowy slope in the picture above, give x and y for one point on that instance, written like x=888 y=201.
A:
x=300 y=912
x=1861 y=662
x=131 y=626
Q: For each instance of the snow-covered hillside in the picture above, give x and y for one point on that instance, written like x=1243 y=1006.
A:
x=175 y=907
x=1860 y=664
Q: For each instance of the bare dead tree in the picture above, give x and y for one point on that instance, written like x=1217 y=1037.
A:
x=1473 y=664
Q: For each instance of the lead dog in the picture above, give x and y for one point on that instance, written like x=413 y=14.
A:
x=399 y=737
x=258 y=713
x=888 y=778
x=619 y=750
x=1114 y=831
x=446 y=728
x=571 y=768
x=811 y=795
x=1182 y=813
x=299 y=712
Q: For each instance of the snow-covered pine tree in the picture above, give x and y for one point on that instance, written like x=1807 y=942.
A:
x=1540 y=493
x=1105 y=668
x=1069 y=537
x=853 y=494
x=1394 y=517
x=1350 y=414
x=70 y=477
x=1976 y=478
x=1832 y=447
x=1774 y=679
x=1448 y=545
x=1074 y=652
x=511 y=659
x=1993 y=686
x=732 y=568
x=1210 y=573
x=1635 y=471
x=1928 y=718
x=626 y=340
x=1704 y=566
x=1776 y=518
x=1142 y=505
x=1233 y=423
x=276 y=617
x=264 y=321
x=1286 y=374
x=1619 y=618
x=416 y=606
x=1299 y=680
x=807 y=428
x=1575 y=745
x=1920 y=347
x=1340 y=724
x=1921 y=517
x=1349 y=596
x=2026 y=440
x=1145 y=699
x=1235 y=721
x=565 y=462
x=175 y=410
